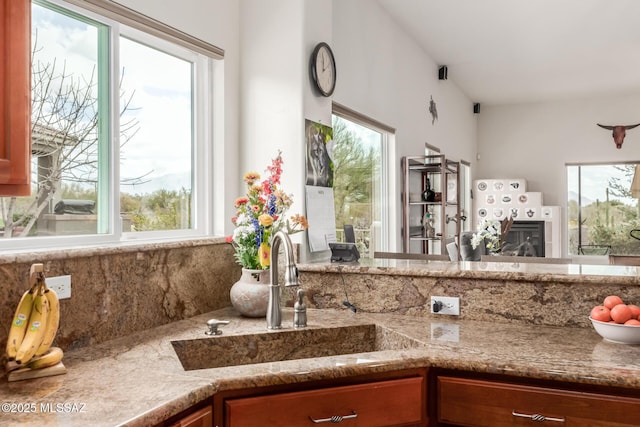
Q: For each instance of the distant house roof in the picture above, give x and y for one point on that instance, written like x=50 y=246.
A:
x=45 y=140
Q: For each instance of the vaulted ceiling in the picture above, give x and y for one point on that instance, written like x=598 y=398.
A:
x=521 y=51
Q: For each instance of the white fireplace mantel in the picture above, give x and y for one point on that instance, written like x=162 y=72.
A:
x=497 y=199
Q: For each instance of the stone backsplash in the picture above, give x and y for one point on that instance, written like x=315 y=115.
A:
x=544 y=295
x=119 y=290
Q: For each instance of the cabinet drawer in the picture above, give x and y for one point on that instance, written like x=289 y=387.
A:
x=200 y=418
x=384 y=403
x=468 y=402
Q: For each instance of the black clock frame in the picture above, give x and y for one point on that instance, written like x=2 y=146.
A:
x=312 y=68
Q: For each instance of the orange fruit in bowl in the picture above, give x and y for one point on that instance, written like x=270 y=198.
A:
x=632 y=322
x=601 y=313
x=611 y=301
x=620 y=313
x=635 y=311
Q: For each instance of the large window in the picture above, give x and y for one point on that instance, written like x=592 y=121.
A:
x=118 y=119
x=603 y=208
x=361 y=180
x=156 y=124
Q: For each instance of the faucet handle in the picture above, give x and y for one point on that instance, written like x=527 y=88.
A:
x=213 y=326
x=299 y=310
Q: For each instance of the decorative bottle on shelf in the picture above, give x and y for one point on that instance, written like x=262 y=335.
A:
x=428 y=195
x=429 y=229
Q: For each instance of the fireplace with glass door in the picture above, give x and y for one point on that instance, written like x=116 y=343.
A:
x=525 y=238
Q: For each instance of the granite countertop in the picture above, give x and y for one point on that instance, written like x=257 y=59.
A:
x=567 y=273
x=138 y=380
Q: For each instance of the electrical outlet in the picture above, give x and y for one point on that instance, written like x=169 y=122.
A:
x=61 y=285
x=445 y=305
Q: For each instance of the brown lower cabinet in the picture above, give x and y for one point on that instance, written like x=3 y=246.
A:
x=200 y=415
x=419 y=397
x=483 y=401
x=200 y=418
x=393 y=399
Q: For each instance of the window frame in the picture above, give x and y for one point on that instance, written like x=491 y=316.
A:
x=203 y=144
x=387 y=173
x=580 y=165
x=466 y=202
x=200 y=82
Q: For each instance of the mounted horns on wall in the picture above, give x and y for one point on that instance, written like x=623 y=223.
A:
x=619 y=132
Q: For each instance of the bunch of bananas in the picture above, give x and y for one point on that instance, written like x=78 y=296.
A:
x=35 y=325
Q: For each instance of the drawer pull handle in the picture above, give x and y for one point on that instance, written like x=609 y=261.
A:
x=335 y=419
x=537 y=417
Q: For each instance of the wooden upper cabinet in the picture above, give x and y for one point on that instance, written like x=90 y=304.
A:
x=15 y=97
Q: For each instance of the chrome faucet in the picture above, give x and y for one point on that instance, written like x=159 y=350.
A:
x=274 y=308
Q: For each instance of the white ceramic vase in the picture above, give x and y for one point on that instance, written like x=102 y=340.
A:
x=250 y=294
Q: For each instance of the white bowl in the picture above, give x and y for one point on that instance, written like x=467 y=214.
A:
x=614 y=332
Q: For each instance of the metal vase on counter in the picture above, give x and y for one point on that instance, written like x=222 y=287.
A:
x=250 y=294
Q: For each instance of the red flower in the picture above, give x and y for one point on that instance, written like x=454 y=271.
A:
x=276 y=169
x=229 y=239
x=266 y=187
x=241 y=201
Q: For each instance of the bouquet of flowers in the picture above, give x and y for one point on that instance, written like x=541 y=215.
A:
x=260 y=214
x=492 y=232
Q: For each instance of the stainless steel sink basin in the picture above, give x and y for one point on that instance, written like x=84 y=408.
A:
x=288 y=344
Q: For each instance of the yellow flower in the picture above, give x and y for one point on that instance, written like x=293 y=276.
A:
x=251 y=177
x=264 y=253
x=265 y=220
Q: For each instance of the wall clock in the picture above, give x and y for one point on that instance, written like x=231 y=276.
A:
x=323 y=69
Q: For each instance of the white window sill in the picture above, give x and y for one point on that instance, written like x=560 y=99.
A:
x=29 y=255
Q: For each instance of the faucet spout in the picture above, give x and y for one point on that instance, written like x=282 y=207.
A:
x=274 y=308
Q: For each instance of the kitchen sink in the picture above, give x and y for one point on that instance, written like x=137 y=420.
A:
x=288 y=344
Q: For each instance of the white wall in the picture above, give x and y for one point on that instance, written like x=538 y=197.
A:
x=535 y=141
x=384 y=74
x=277 y=39
x=216 y=22
x=271 y=83
x=381 y=71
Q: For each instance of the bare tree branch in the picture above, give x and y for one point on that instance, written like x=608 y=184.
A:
x=65 y=120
